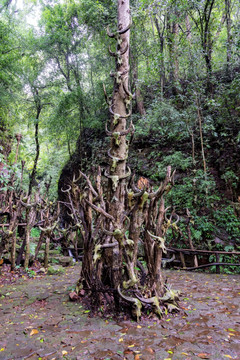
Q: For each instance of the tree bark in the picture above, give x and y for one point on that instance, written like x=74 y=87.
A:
x=111 y=235
x=46 y=252
x=30 y=220
x=34 y=170
x=161 y=40
x=118 y=149
x=229 y=35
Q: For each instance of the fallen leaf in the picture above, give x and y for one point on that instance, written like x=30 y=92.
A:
x=127 y=351
x=82 y=292
x=73 y=296
x=150 y=350
x=120 y=340
x=137 y=357
x=130 y=346
x=228 y=356
x=204 y=356
x=33 y=332
x=64 y=352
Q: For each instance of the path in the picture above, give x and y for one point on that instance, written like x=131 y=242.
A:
x=38 y=322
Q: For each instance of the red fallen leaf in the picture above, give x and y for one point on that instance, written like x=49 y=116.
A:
x=203 y=356
x=73 y=296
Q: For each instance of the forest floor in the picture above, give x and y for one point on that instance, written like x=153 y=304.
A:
x=37 y=322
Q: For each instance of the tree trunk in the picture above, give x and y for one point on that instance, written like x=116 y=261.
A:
x=229 y=36
x=207 y=40
x=27 y=245
x=40 y=241
x=112 y=233
x=46 y=252
x=172 y=32
x=200 y=121
x=118 y=147
x=34 y=170
x=161 y=40
x=30 y=220
x=13 y=251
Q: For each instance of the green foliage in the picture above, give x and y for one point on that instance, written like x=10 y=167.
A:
x=177 y=160
x=55 y=270
x=230 y=178
x=32 y=248
x=35 y=232
x=194 y=191
x=163 y=122
x=7 y=174
x=31 y=273
x=226 y=218
x=9 y=56
x=98 y=14
x=231 y=259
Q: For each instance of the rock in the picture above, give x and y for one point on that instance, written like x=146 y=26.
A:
x=63 y=260
x=43 y=296
x=55 y=270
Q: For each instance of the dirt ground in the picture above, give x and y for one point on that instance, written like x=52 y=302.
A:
x=37 y=321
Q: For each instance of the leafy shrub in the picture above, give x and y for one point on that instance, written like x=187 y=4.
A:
x=177 y=160
x=163 y=121
x=194 y=191
x=226 y=218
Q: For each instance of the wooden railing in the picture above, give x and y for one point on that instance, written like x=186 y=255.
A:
x=217 y=263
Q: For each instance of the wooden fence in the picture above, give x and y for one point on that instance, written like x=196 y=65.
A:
x=183 y=252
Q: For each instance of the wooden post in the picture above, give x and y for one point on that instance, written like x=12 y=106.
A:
x=182 y=260
x=46 y=253
x=217 y=266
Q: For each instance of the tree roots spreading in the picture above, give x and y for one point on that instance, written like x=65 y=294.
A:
x=113 y=276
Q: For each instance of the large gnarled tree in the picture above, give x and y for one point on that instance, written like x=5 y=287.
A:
x=114 y=225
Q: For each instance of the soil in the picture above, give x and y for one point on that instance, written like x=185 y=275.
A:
x=39 y=322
